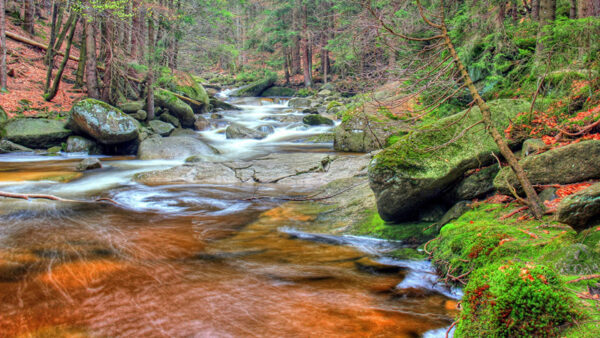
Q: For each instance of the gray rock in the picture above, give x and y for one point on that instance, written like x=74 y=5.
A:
x=455 y=212
x=532 y=146
x=238 y=131
x=569 y=164
x=410 y=174
x=299 y=102
x=317 y=120
x=201 y=123
x=169 y=148
x=548 y=194
x=140 y=115
x=255 y=88
x=132 y=107
x=80 y=144
x=102 y=122
x=325 y=92
x=161 y=128
x=218 y=104
x=183 y=132
x=581 y=209
x=356 y=134
x=35 y=133
x=178 y=108
x=287 y=118
x=168 y=118
x=577 y=259
x=9 y=147
x=475 y=185
x=89 y=164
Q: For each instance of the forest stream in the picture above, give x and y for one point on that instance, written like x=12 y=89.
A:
x=197 y=260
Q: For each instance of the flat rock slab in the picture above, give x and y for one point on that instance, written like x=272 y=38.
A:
x=306 y=169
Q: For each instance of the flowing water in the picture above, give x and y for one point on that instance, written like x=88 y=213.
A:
x=196 y=260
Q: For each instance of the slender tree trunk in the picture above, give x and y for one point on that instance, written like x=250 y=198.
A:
x=306 y=62
x=56 y=13
x=91 y=77
x=534 y=201
x=79 y=76
x=573 y=10
x=547 y=16
x=150 y=78
x=3 y=86
x=63 y=33
x=54 y=89
x=29 y=16
x=286 y=65
x=535 y=10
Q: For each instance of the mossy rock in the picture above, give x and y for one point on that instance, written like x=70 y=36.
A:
x=279 y=92
x=132 y=107
x=102 y=122
x=177 y=107
x=35 y=133
x=80 y=144
x=255 y=88
x=581 y=209
x=515 y=300
x=317 y=120
x=185 y=85
x=569 y=164
x=10 y=147
x=218 y=104
x=425 y=162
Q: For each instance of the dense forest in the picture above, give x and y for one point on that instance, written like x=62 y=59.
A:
x=363 y=167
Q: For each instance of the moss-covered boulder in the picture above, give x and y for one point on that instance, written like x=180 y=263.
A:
x=168 y=118
x=475 y=185
x=35 y=133
x=317 y=120
x=161 y=128
x=569 y=164
x=102 y=122
x=132 y=107
x=185 y=85
x=581 y=209
x=362 y=134
x=427 y=161
x=218 y=104
x=278 y=92
x=255 y=88
x=79 y=144
x=177 y=107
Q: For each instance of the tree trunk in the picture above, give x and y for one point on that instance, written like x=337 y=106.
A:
x=306 y=64
x=54 y=90
x=3 y=86
x=29 y=16
x=286 y=64
x=573 y=10
x=535 y=10
x=91 y=77
x=79 y=81
x=57 y=12
x=63 y=32
x=150 y=78
x=534 y=201
x=547 y=16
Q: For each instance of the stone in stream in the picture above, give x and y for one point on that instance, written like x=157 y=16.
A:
x=132 y=107
x=255 y=88
x=201 y=123
x=89 y=164
x=569 y=164
x=412 y=172
x=317 y=120
x=168 y=118
x=161 y=128
x=80 y=144
x=35 y=133
x=140 y=115
x=102 y=122
x=170 y=148
x=238 y=131
x=9 y=147
x=299 y=102
x=218 y=104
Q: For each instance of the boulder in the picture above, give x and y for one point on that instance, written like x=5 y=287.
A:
x=218 y=104
x=532 y=146
x=412 y=171
x=102 y=122
x=161 y=128
x=325 y=93
x=183 y=132
x=317 y=120
x=9 y=147
x=80 y=144
x=581 y=209
x=255 y=88
x=184 y=85
x=238 y=131
x=168 y=118
x=140 y=115
x=132 y=107
x=475 y=185
x=35 y=133
x=89 y=164
x=279 y=92
x=171 y=148
x=178 y=108
x=362 y=134
x=569 y=164
x=299 y=102
x=201 y=123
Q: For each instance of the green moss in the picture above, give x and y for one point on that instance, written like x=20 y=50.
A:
x=514 y=300
x=410 y=233
x=333 y=104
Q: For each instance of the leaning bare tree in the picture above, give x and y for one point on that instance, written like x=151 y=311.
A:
x=433 y=66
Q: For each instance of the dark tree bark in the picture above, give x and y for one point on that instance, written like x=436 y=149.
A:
x=573 y=10
x=150 y=78
x=57 y=12
x=547 y=16
x=56 y=84
x=2 y=47
x=79 y=76
x=63 y=33
x=306 y=62
x=535 y=10
x=29 y=16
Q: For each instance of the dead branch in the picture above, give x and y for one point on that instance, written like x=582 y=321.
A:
x=531 y=234
x=450 y=328
x=514 y=212
x=588 y=277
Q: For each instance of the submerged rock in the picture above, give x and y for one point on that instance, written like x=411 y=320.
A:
x=103 y=122
x=569 y=164
x=201 y=123
x=169 y=148
x=35 y=133
x=581 y=209
x=89 y=164
x=412 y=171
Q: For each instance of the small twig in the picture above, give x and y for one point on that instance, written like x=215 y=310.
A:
x=514 y=212
x=529 y=233
x=588 y=277
x=450 y=328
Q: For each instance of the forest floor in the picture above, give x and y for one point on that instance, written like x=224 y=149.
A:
x=27 y=74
